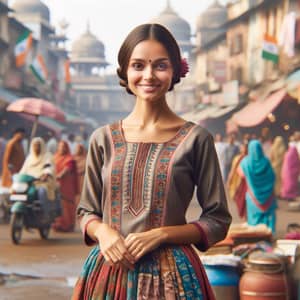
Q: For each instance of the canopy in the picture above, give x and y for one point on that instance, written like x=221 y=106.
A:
x=256 y=112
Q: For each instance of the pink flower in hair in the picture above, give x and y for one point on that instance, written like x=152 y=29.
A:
x=184 y=67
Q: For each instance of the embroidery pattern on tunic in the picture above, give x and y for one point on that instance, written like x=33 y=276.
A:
x=140 y=174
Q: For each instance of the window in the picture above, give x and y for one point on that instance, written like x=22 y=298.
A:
x=236 y=44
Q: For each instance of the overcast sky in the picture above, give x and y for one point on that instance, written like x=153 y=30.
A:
x=111 y=20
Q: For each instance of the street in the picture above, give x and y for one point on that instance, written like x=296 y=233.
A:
x=47 y=269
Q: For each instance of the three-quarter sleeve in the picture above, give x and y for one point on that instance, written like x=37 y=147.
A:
x=90 y=204
x=215 y=219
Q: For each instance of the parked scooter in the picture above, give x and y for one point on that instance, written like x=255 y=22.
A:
x=26 y=210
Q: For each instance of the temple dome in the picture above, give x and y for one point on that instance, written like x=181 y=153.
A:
x=177 y=26
x=87 y=48
x=213 y=17
x=32 y=7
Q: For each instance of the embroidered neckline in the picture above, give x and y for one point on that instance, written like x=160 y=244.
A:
x=184 y=126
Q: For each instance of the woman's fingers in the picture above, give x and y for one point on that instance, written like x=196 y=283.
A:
x=118 y=254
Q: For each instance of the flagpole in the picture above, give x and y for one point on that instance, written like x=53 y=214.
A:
x=33 y=130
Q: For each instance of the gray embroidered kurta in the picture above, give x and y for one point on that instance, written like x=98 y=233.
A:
x=138 y=186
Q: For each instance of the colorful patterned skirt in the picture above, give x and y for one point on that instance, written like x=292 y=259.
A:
x=167 y=273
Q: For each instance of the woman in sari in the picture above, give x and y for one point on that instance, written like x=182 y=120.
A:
x=236 y=183
x=39 y=164
x=67 y=178
x=277 y=152
x=290 y=173
x=260 y=179
x=80 y=158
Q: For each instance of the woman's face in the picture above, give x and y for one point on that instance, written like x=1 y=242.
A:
x=149 y=71
x=37 y=148
x=62 y=148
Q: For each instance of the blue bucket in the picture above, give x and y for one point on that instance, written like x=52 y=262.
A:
x=224 y=281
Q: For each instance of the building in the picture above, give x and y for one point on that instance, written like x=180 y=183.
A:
x=96 y=93
x=183 y=97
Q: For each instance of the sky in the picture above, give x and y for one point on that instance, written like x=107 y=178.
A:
x=111 y=20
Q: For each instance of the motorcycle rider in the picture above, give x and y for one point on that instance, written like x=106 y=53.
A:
x=40 y=164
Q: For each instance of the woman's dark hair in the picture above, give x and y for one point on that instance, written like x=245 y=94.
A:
x=145 y=32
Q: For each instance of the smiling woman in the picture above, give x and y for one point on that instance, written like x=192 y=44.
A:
x=140 y=177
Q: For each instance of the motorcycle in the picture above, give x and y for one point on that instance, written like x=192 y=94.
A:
x=26 y=209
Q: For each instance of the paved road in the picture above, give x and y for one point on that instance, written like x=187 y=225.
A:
x=38 y=269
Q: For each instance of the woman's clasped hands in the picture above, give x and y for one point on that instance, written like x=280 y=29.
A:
x=125 y=252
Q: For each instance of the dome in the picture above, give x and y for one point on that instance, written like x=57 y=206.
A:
x=31 y=7
x=88 y=47
x=177 y=26
x=213 y=17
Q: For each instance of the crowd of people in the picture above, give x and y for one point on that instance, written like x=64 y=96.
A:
x=259 y=171
x=58 y=163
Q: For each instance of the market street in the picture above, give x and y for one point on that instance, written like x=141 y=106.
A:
x=46 y=270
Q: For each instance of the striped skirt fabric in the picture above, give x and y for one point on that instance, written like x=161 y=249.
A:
x=167 y=273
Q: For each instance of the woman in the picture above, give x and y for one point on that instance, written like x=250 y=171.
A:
x=236 y=183
x=140 y=178
x=40 y=164
x=276 y=157
x=290 y=173
x=260 y=178
x=80 y=158
x=67 y=179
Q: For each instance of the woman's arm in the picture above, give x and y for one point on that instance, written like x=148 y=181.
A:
x=138 y=244
x=111 y=243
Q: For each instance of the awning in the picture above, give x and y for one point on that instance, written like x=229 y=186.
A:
x=210 y=111
x=222 y=111
x=256 y=112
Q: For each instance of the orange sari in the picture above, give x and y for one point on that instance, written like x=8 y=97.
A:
x=66 y=165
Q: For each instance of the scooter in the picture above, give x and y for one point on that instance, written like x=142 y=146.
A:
x=26 y=209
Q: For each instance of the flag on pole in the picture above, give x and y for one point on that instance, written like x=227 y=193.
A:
x=67 y=74
x=270 y=48
x=39 y=69
x=22 y=48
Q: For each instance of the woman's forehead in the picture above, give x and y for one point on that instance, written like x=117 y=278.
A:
x=149 y=48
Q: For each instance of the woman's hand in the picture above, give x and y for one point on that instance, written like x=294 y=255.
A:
x=113 y=247
x=138 y=244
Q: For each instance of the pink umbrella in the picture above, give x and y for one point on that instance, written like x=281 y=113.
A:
x=36 y=107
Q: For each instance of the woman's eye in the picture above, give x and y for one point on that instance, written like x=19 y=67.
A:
x=161 y=66
x=137 y=66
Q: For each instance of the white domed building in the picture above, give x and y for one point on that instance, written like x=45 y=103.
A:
x=35 y=15
x=209 y=23
x=96 y=94
x=179 y=27
x=182 y=98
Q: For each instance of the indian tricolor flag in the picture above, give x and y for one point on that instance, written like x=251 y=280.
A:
x=270 y=48
x=22 y=48
x=39 y=69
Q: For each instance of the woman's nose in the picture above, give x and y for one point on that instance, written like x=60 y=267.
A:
x=148 y=72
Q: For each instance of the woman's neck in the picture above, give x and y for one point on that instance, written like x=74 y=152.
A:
x=146 y=113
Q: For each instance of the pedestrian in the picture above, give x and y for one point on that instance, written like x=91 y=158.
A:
x=51 y=143
x=236 y=184
x=13 y=157
x=140 y=177
x=40 y=164
x=230 y=151
x=260 y=178
x=2 y=149
x=80 y=158
x=277 y=152
x=290 y=173
x=66 y=175
x=220 y=146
